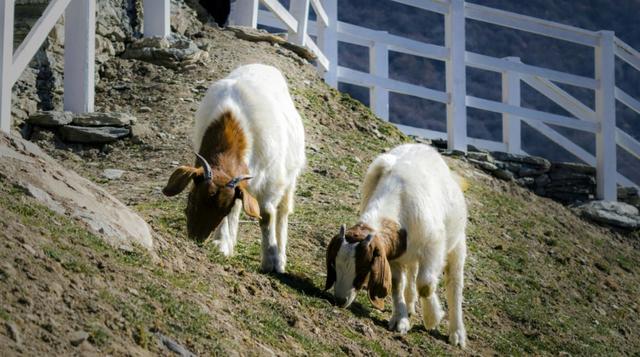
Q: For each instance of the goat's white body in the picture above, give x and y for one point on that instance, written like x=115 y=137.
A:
x=413 y=186
x=258 y=97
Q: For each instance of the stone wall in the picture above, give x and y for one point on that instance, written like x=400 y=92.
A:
x=565 y=182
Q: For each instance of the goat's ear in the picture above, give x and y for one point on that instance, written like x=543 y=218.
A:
x=332 y=252
x=180 y=178
x=380 y=279
x=249 y=203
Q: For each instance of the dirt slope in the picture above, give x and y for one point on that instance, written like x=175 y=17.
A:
x=538 y=279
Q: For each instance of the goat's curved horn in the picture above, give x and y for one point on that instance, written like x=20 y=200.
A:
x=343 y=229
x=207 y=168
x=236 y=180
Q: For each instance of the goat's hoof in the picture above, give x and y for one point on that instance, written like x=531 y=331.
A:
x=224 y=248
x=400 y=324
x=272 y=264
x=458 y=338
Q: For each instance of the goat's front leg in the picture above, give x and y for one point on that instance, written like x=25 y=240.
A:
x=270 y=256
x=226 y=235
x=399 y=317
x=284 y=209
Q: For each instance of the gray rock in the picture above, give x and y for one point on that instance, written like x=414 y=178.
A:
x=527 y=171
x=112 y=174
x=174 y=51
x=174 y=346
x=523 y=159
x=77 y=337
x=144 y=110
x=542 y=180
x=487 y=166
x=574 y=167
x=25 y=165
x=480 y=156
x=103 y=119
x=141 y=132
x=526 y=181
x=50 y=118
x=13 y=332
x=618 y=214
x=503 y=174
x=93 y=135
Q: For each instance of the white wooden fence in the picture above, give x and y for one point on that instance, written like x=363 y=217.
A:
x=600 y=121
x=79 y=48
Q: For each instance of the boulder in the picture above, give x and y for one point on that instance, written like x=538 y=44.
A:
x=617 y=214
x=92 y=135
x=50 y=118
x=103 y=119
x=174 y=51
x=65 y=192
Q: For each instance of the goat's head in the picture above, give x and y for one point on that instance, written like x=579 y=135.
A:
x=355 y=260
x=212 y=197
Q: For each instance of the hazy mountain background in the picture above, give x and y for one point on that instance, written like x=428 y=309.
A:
x=620 y=16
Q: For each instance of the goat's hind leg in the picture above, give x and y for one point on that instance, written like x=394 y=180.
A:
x=454 y=275
x=429 y=273
x=410 y=292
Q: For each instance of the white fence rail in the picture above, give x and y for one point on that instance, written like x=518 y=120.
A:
x=79 y=48
x=599 y=121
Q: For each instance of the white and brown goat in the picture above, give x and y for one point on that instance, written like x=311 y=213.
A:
x=249 y=141
x=412 y=229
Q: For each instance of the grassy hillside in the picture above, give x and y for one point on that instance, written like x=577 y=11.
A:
x=538 y=279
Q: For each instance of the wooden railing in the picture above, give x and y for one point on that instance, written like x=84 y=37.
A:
x=599 y=121
x=79 y=48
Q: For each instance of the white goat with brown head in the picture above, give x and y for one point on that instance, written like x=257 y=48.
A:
x=412 y=229
x=249 y=141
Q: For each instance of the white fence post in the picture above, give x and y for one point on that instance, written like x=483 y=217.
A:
x=510 y=123
x=244 y=13
x=328 y=41
x=379 y=66
x=6 y=63
x=606 y=113
x=456 y=76
x=79 y=55
x=299 y=9
x=157 y=18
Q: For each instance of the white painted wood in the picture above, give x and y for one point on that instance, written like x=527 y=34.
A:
x=79 y=56
x=531 y=114
x=379 y=67
x=299 y=9
x=323 y=62
x=244 y=13
x=510 y=123
x=157 y=18
x=6 y=60
x=280 y=13
x=627 y=53
x=440 y=7
x=531 y=24
x=627 y=100
x=328 y=42
x=455 y=69
x=499 y=65
x=321 y=14
x=366 y=37
x=351 y=76
x=38 y=33
x=606 y=113
x=628 y=143
x=561 y=97
x=432 y=134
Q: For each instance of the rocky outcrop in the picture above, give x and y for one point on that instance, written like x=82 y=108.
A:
x=65 y=192
x=85 y=128
x=618 y=214
x=175 y=51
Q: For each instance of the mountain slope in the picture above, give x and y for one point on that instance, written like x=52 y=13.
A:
x=538 y=279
